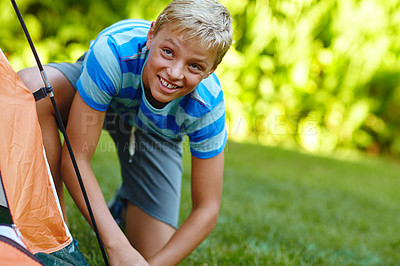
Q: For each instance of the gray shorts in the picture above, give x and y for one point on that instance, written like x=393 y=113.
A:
x=152 y=178
x=70 y=71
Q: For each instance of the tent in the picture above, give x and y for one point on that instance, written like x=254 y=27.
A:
x=29 y=204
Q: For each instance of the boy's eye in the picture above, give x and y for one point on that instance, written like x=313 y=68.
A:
x=168 y=52
x=196 y=67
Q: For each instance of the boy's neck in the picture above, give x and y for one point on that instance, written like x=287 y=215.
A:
x=150 y=99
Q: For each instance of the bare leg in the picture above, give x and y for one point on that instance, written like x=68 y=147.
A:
x=145 y=233
x=63 y=95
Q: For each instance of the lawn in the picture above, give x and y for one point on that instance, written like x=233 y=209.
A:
x=282 y=207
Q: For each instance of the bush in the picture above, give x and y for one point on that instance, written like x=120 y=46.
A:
x=321 y=75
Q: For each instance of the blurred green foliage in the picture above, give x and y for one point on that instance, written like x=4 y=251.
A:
x=322 y=74
x=319 y=74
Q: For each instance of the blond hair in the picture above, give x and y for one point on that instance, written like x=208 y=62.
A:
x=206 y=21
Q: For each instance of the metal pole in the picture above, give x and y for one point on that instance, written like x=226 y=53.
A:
x=62 y=128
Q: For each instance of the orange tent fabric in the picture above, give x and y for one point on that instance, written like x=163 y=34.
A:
x=26 y=178
x=12 y=256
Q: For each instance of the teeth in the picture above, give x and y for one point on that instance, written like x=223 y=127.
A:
x=166 y=84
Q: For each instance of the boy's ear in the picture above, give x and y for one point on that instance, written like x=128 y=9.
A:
x=150 y=36
x=212 y=71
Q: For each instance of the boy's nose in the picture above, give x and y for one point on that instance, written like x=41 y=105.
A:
x=175 y=71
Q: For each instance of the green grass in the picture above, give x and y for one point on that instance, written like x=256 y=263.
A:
x=283 y=207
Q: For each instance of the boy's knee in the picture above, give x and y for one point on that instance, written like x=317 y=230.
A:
x=31 y=78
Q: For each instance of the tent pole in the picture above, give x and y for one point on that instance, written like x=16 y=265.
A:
x=49 y=91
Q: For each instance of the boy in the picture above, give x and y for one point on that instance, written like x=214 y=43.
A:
x=149 y=84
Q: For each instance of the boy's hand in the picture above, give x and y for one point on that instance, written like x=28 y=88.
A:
x=84 y=137
x=126 y=255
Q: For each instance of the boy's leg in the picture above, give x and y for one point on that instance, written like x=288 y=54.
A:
x=146 y=233
x=151 y=185
x=63 y=94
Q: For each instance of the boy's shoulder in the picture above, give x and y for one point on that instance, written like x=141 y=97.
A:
x=127 y=25
x=209 y=91
x=206 y=97
x=124 y=35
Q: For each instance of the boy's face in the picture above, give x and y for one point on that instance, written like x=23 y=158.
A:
x=174 y=66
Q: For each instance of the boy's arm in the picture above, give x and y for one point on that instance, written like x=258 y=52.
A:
x=206 y=197
x=84 y=128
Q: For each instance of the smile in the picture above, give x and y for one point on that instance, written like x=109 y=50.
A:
x=166 y=84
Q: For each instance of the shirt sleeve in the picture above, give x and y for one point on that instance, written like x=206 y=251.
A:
x=209 y=137
x=101 y=74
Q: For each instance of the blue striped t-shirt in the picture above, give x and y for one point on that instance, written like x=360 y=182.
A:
x=112 y=77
